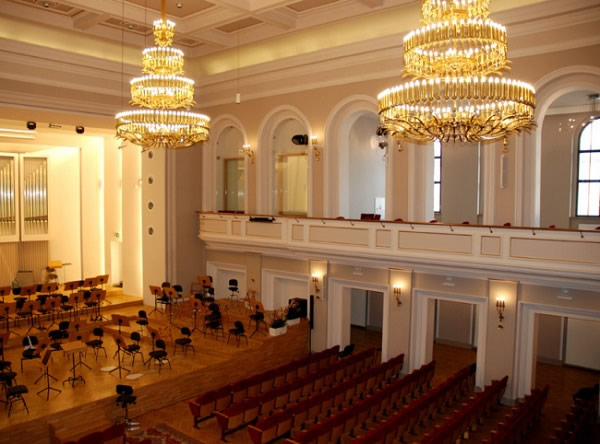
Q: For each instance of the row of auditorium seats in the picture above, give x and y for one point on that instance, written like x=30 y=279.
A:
x=240 y=414
x=354 y=418
x=515 y=425
x=468 y=416
x=579 y=422
x=324 y=403
x=206 y=405
x=419 y=410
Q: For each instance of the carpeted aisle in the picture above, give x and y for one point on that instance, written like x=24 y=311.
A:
x=161 y=434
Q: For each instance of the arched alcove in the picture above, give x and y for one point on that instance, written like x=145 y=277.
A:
x=350 y=118
x=549 y=88
x=562 y=128
x=276 y=126
x=222 y=126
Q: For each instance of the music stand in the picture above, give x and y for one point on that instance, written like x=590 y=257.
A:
x=120 y=343
x=72 y=286
x=99 y=295
x=90 y=282
x=195 y=311
x=157 y=292
x=30 y=307
x=171 y=294
x=50 y=288
x=29 y=291
x=3 y=340
x=45 y=361
x=206 y=282
x=9 y=308
x=5 y=291
x=120 y=321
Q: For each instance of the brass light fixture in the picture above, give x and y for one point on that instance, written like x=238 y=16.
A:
x=164 y=96
x=248 y=151
x=316 y=152
x=397 y=293
x=457 y=92
x=315 y=281
x=500 y=305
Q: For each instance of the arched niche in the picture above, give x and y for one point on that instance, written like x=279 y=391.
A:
x=343 y=122
x=562 y=130
x=549 y=88
x=222 y=128
x=278 y=124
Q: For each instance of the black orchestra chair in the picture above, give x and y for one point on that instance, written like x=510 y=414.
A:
x=234 y=289
x=185 y=341
x=142 y=320
x=134 y=348
x=159 y=354
x=15 y=393
x=239 y=332
x=97 y=343
x=125 y=399
x=258 y=317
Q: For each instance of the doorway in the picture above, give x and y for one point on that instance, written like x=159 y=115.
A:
x=366 y=319
x=432 y=336
x=454 y=344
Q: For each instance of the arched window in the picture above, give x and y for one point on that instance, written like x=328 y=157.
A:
x=588 y=170
x=437 y=176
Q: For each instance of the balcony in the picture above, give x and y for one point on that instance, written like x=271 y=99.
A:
x=531 y=254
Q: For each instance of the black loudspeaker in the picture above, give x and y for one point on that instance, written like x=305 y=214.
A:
x=302 y=304
x=312 y=311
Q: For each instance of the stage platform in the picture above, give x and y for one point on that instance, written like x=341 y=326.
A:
x=91 y=406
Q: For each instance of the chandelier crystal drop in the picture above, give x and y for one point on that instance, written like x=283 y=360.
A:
x=458 y=93
x=164 y=96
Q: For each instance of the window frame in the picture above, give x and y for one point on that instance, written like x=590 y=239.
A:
x=578 y=179
x=439 y=211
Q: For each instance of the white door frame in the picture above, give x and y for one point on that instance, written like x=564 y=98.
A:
x=418 y=328
x=335 y=311
x=268 y=285
x=523 y=370
x=213 y=268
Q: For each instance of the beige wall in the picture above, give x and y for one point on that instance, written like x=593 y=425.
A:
x=454 y=323
x=459 y=182
x=559 y=170
x=549 y=338
x=316 y=104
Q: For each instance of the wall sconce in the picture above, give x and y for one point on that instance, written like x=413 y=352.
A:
x=248 y=151
x=316 y=152
x=500 y=305
x=315 y=281
x=397 y=294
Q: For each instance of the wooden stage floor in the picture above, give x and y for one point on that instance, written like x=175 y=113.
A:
x=162 y=399
x=91 y=406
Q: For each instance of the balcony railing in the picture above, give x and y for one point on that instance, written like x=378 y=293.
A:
x=566 y=254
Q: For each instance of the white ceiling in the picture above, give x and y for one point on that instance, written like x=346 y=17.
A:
x=203 y=26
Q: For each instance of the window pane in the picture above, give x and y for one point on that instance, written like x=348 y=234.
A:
x=437 y=148
x=437 y=170
x=436 y=197
x=588 y=199
x=584 y=166
x=590 y=136
x=595 y=169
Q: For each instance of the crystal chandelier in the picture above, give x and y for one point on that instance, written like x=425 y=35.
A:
x=164 y=96
x=458 y=92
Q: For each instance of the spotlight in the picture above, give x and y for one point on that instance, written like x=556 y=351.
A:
x=79 y=129
x=300 y=139
x=31 y=125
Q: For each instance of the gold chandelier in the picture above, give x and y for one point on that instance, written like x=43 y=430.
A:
x=164 y=95
x=458 y=92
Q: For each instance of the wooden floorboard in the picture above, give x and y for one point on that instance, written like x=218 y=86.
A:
x=163 y=398
x=88 y=407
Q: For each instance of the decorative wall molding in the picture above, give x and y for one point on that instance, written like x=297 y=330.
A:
x=552 y=269
x=419 y=321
